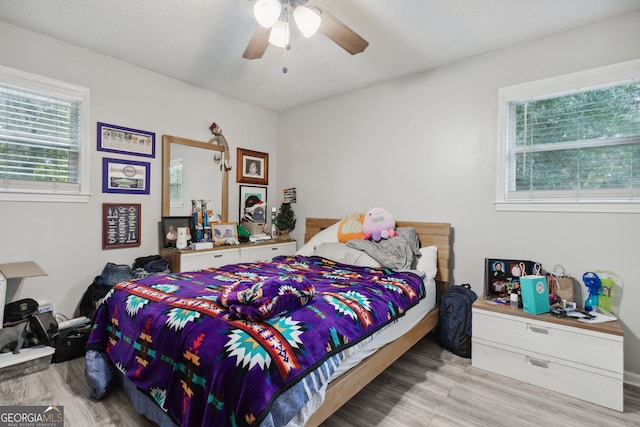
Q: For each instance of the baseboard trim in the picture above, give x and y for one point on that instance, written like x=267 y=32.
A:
x=632 y=378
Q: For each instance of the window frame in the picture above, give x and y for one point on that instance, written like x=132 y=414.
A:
x=51 y=87
x=612 y=201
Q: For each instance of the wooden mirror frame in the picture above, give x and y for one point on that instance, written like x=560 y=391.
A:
x=167 y=140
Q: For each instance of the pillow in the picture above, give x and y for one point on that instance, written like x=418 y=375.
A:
x=339 y=252
x=351 y=228
x=428 y=261
x=329 y=234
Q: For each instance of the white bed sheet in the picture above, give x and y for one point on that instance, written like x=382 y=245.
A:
x=392 y=331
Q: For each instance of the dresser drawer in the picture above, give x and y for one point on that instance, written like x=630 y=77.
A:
x=208 y=259
x=587 y=383
x=267 y=252
x=578 y=345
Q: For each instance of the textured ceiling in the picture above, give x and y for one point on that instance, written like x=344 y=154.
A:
x=202 y=41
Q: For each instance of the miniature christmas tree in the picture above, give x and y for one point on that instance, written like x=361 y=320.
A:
x=286 y=218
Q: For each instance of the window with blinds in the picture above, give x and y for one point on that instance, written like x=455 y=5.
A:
x=579 y=145
x=42 y=135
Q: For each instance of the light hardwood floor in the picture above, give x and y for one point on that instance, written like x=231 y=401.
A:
x=428 y=386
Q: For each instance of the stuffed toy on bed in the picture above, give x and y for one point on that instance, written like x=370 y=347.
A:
x=378 y=224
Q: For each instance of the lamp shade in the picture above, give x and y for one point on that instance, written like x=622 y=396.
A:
x=307 y=20
x=267 y=12
x=279 y=34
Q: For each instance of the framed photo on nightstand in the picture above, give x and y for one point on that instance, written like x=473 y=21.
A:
x=501 y=275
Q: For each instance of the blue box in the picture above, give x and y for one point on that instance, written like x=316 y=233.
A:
x=535 y=294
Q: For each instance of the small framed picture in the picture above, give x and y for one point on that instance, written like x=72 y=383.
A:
x=252 y=167
x=169 y=229
x=223 y=231
x=501 y=276
x=125 y=176
x=118 y=139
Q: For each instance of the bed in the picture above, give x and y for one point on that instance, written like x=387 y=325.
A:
x=320 y=385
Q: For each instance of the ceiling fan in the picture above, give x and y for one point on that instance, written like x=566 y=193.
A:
x=273 y=17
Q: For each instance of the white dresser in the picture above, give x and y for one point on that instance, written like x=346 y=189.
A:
x=189 y=260
x=585 y=361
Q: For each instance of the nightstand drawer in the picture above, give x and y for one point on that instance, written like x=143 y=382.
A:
x=209 y=259
x=591 y=384
x=578 y=345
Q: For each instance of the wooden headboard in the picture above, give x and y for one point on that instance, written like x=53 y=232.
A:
x=430 y=233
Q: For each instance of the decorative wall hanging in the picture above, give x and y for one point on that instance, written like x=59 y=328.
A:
x=289 y=195
x=118 y=139
x=121 y=225
x=252 y=167
x=251 y=198
x=125 y=176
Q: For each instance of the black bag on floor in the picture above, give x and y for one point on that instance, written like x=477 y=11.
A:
x=454 y=322
x=70 y=343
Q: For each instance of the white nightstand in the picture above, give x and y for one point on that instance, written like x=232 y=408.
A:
x=582 y=360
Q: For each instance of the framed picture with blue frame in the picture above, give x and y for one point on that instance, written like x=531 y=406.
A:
x=125 y=176
x=118 y=139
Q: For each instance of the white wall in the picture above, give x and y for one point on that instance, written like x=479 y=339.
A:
x=425 y=148
x=65 y=238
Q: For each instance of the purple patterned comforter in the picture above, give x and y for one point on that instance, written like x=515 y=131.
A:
x=173 y=337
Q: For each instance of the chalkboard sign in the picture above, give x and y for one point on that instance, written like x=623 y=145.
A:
x=120 y=225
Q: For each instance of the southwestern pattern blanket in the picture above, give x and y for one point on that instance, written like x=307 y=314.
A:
x=176 y=339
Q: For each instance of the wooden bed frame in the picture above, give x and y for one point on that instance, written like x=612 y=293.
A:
x=351 y=382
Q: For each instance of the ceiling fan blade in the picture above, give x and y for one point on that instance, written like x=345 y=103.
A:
x=342 y=35
x=258 y=44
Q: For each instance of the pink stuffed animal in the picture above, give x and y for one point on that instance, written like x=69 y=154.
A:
x=378 y=224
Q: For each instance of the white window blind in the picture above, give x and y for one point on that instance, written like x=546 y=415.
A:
x=578 y=145
x=175 y=183
x=42 y=136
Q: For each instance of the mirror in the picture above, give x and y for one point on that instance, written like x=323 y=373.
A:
x=189 y=172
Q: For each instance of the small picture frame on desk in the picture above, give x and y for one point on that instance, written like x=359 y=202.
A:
x=169 y=229
x=502 y=275
x=223 y=231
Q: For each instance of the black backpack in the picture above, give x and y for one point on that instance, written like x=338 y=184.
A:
x=454 y=322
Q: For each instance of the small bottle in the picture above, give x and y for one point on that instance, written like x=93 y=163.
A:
x=513 y=302
x=273 y=222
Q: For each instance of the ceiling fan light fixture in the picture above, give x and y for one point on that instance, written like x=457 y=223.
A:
x=267 y=12
x=279 y=34
x=307 y=20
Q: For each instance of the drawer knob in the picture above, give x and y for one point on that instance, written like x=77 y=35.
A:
x=218 y=255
